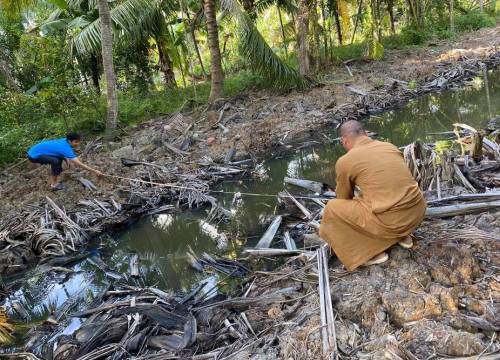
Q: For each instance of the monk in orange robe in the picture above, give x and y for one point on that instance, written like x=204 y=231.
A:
x=390 y=205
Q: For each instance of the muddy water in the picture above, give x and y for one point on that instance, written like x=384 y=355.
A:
x=161 y=241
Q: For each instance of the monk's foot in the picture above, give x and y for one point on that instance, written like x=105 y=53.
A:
x=407 y=243
x=379 y=259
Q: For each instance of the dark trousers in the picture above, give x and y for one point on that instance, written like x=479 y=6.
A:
x=54 y=161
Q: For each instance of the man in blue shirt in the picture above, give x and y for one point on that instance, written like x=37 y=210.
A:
x=53 y=152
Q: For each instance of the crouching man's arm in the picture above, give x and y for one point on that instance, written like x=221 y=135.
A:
x=76 y=161
x=345 y=185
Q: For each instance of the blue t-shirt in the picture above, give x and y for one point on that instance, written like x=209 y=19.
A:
x=58 y=148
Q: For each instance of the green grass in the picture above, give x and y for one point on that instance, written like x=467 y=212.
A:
x=27 y=119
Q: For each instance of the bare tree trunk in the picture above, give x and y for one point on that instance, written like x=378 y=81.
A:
x=335 y=9
x=376 y=27
x=303 y=37
x=217 y=84
x=452 y=18
x=6 y=73
x=107 y=63
x=358 y=15
x=390 y=10
x=193 y=36
x=315 y=28
x=285 y=45
x=416 y=12
x=325 y=31
x=166 y=65
x=94 y=69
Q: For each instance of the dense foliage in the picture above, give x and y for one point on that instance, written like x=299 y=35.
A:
x=51 y=68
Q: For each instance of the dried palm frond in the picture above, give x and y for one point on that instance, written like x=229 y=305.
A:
x=420 y=158
x=6 y=328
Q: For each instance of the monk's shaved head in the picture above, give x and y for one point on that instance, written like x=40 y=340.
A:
x=351 y=128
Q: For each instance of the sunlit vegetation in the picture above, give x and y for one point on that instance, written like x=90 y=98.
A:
x=59 y=71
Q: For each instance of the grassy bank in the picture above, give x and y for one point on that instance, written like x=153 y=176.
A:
x=26 y=119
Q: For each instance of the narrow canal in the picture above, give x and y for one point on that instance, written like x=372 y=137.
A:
x=161 y=242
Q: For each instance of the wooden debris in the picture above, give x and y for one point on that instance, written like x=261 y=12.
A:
x=276 y=252
x=300 y=206
x=477 y=147
x=357 y=91
x=267 y=238
x=88 y=184
x=328 y=335
x=289 y=243
x=460 y=176
x=134 y=265
x=468 y=197
x=460 y=209
x=313 y=186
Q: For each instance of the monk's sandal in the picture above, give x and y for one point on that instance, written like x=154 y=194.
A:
x=406 y=243
x=379 y=259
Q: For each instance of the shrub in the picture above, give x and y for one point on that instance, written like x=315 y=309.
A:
x=473 y=20
x=445 y=34
x=412 y=36
x=346 y=52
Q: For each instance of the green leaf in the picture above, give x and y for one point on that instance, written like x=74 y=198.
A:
x=78 y=23
x=375 y=50
x=262 y=58
x=54 y=26
x=131 y=18
x=61 y=4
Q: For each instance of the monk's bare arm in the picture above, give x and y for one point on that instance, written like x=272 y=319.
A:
x=345 y=187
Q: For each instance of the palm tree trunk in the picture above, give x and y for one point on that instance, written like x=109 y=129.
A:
x=107 y=63
x=303 y=37
x=166 y=65
x=285 y=45
x=217 y=81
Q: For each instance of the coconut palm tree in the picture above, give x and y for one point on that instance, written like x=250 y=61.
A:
x=131 y=17
x=262 y=58
x=217 y=75
x=107 y=64
x=16 y=6
x=303 y=37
